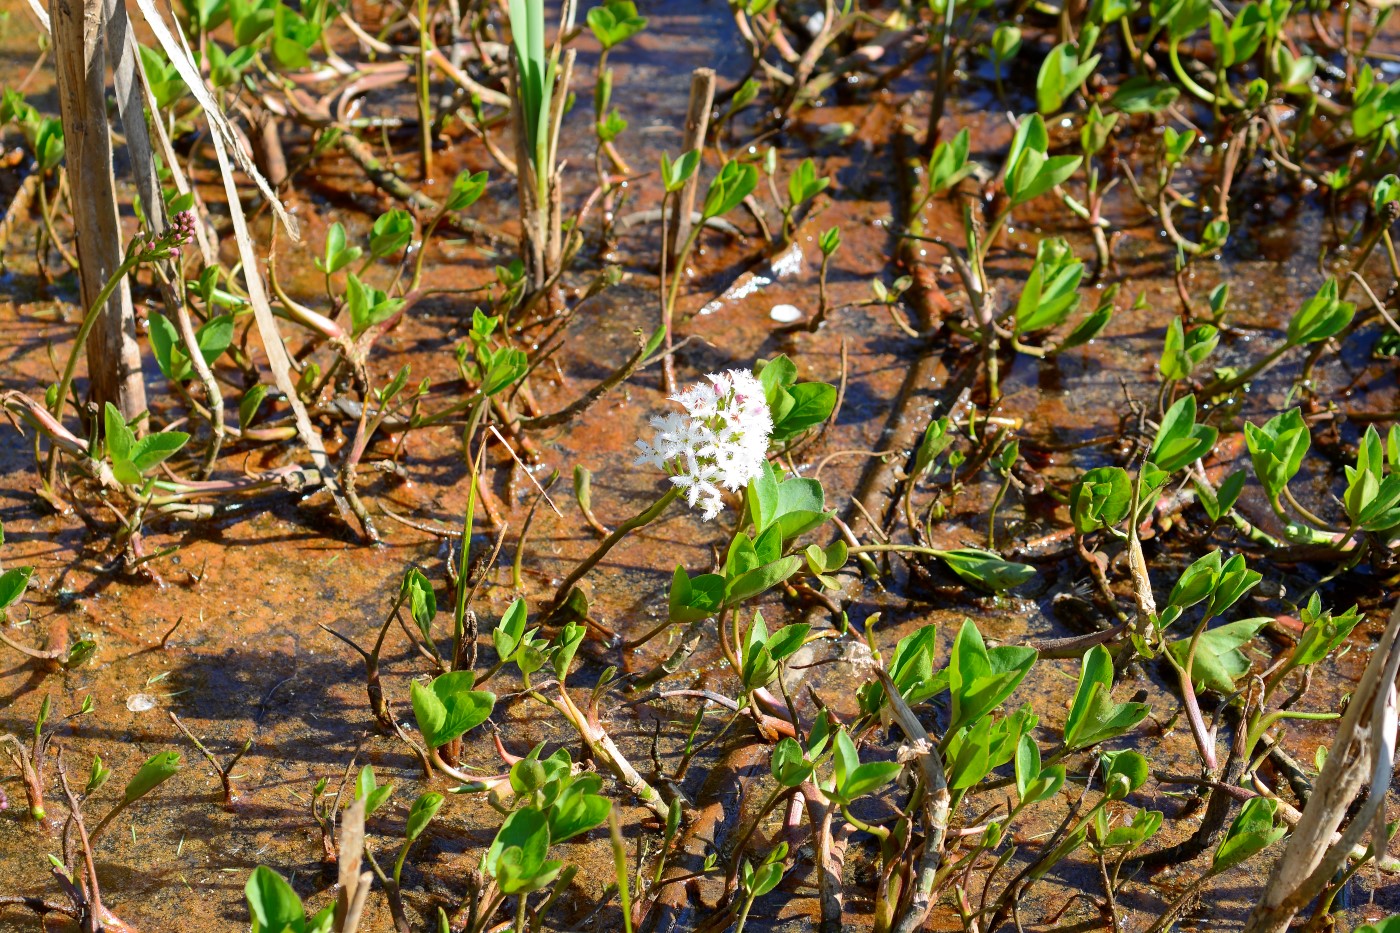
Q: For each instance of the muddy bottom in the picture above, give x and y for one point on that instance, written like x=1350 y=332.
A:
x=224 y=626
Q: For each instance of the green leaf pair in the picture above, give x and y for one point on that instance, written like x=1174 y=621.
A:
x=1030 y=171
x=1322 y=316
x=133 y=459
x=368 y=305
x=1062 y=73
x=1276 y=450
x=213 y=338
x=448 y=707
x=1372 y=498
x=761 y=654
x=1093 y=716
x=980 y=747
x=792 y=504
x=795 y=406
x=1051 y=291
x=615 y=22
x=735 y=181
x=1185 y=350
x=853 y=779
x=980 y=679
x=1180 y=440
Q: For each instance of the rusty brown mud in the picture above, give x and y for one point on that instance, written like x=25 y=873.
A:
x=224 y=631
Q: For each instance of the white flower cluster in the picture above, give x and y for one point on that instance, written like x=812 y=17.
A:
x=721 y=440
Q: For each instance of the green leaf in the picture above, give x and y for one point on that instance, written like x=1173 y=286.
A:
x=1061 y=74
x=158 y=769
x=422 y=813
x=516 y=858
x=1100 y=498
x=369 y=791
x=447 y=707
x=337 y=254
x=615 y=22
x=369 y=306
x=418 y=593
x=156 y=448
x=1180 y=440
x=249 y=404
x=790 y=767
x=1219 y=663
x=1322 y=316
x=392 y=231
x=272 y=902
x=791 y=505
x=1090 y=327
x=164 y=343
x=735 y=181
x=853 y=779
x=1277 y=449
x=1093 y=716
x=1140 y=94
x=978 y=679
x=1252 y=831
x=467 y=188
x=1124 y=772
x=120 y=438
x=803 y=183
x=759 y=580
x=1197 y=581
x=812 y=404
x=13 y=583
x=577 y=810
x=675 y=174
x=694 y=599
x=949 y=164
x=986 y=570
x=1051 y=291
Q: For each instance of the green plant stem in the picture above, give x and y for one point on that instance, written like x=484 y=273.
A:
x=879 y=832
x=669 y=310
x=459 y=613
x=1249 y=373
x=423 y=250
x=1307 y=514
x=642 y=518
x=619 y=850
x=106 y=820
x=89 y=320
x=992 y=512
x=744 y=914
x=1186 y=80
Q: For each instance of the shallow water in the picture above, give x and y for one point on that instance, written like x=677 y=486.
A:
x=248 y=663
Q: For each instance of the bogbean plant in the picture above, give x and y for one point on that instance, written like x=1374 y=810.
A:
x=932 y=805
x=945 y=839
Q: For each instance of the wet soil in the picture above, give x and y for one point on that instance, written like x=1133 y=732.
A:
x=245 y=593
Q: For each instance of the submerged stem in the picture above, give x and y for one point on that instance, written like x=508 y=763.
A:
x=644 y=517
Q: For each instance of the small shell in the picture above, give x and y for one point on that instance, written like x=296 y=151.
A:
x=786 y=314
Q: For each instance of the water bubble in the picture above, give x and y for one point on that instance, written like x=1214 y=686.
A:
x=140 y=702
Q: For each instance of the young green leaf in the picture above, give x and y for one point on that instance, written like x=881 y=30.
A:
x=448 y=707
x=1093 y=716
x=158 y=769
